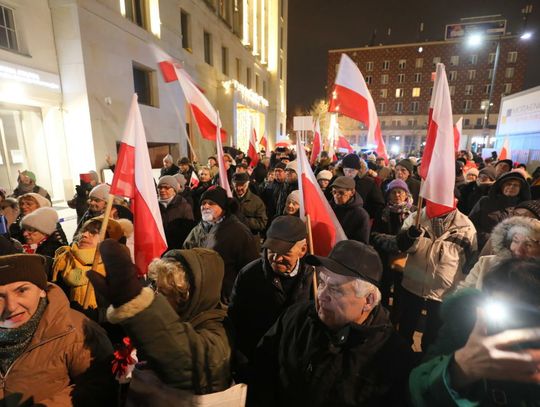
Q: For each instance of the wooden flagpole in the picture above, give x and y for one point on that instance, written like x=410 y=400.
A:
x=190 y=133
x=311 y=251
x=97 y=257
x=420 y=203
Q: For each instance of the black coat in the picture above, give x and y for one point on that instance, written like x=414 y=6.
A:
x=172 y=170
x=177 y=220
x=371 y=195
x=353 y=219
x=259 y=297
x=470 y=194
x=300 y=362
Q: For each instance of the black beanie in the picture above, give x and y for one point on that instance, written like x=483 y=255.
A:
x=351 y=161
x=23 y=267
x=218 y=195
x=406 y=163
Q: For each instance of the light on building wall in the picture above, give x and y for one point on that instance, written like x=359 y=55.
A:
x=526 y=36
x=263 y=31
x=474 y=40
x=420 y=49
x=246 y=93
x=394 y=149
x=155 y=22
x=123 y=8
x=255 y=27
x=245 y=22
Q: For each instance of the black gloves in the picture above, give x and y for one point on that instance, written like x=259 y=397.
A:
x=406 y=238
x=121 y=284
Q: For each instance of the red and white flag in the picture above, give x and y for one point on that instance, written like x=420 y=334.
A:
x=333 y=131
x=351 y=97
x=283 y=141
x=133 y=179
x=325 y=228
x=194 y=180
x=223 y=179
x=201 y=109
x=438 y=162
x=252 y=149
x=505 y=153
x=458 y=129
x=344 y=144
x=317 y=142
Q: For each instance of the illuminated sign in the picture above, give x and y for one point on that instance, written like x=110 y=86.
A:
x=247 y=94
x=462 y=30
x=28 y=75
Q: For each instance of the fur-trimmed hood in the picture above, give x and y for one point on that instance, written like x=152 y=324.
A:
x=502 y=234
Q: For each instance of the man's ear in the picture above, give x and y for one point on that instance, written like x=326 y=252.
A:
x=370 y=302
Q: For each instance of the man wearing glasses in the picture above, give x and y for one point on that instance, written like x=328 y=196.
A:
x=97 y=201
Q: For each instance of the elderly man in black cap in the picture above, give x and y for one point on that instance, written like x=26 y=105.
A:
x=342 y=352
x=220 y=230
x=251 y=206
x=270 y=284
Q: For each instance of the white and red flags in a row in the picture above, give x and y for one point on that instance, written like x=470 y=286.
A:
x=223 y=178
x=317 y=142
x=252 y=149
x=351 y=98
x=438 y=161
x=133 y=179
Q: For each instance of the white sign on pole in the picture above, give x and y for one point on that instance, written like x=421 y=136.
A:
x=303 y=123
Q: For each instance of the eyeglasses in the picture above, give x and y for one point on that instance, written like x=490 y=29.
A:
x=339 y=192
x=94 y=199
x=164 y=187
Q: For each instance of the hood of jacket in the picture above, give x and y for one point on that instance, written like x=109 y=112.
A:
x=496 y=189
x=206 y=270
x=502 y=234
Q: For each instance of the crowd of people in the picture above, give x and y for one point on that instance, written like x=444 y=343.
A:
x=414 y=308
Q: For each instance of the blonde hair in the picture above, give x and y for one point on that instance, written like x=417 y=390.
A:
x=172 y=280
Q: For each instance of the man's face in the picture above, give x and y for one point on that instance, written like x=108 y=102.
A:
x=402 y=173
x=511 y=188
x=184 y=167
x=241 y=188
x=524 y=247
x=323 y=183
x=204 y=175
x=338 y=302
x=291 y=175
x=483 y=179
x=32 y=236
x=501 y=168
x=28 y=205
x=279 y=174
x=166 y=191
x=342 y=195
x=285 y=263
x=167 y=163
x=350 y=172
x=18 y=303
x=211 y=162
x=210 y=211
x=96 y=205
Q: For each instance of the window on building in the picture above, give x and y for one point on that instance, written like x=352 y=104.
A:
x=487 y=88
x=415 y=107
x=512 y=57
x=467 y=105
x=471 y=74
x=454 y=60
x=384 y=79
x=207 y=47
x=417 y=77
x=473 y=59
x=248 y=78
x=402 y=63
x=8 y=35
x=509 y=72
x=419 y=62
x=436 y=60
x=507 y=88
x=368 y=79
x=280 y=67
x=225 y=60
x=369 y=66
x=386 y=65
x=415 y=92
x=383 y=124
x=238 y=69
x=469 y=89
x=490 y=73
x=401 y=78
x=399 y=92
x=264 y=89
x=466 y=122
x=383 y=93
x=137 y=12
x=382 y=107
x=479 y=121
x=144 y=85
x=224 y=11
x=452 y=76
x=491 y=58
x=185 y=30
x=281 y=38
x=337 y=68
x=452 y=90
x=257 y=83
x=399 y=107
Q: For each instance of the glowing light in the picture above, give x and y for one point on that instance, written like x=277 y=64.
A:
x=526 y=36
x=394 y=149
x=474 y=40
x=123 y=8
x=33 y=77
x=255 y=28
x=155 y=22
x=247 y=94
x=496 y=312
x=420 y=49
x=245 y=23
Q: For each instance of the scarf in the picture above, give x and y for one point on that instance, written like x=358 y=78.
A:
x=14 y=341
x=404 y=209
x=25 y=188
x=441 y=224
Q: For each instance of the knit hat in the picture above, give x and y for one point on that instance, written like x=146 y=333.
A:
x=472 y=171
x=169 y=180
x=30 y=175
x=23 y=267
x=42 y=219
x=294 y=196
x=184 y=161
x=488 y=171
x=216 y=194
x=371 y=158
x=407 y=164
x=293 y=165
x=40 y=199
x=100 y=191
x=397 y=183
x=351 y=161
x=532 y=206
x=324 y=174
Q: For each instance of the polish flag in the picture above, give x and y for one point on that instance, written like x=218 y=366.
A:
x=201 y=109
x=505 y=150
x=351 y=98
x=333 y=130
x=344 y=144
x=252 y=149
x=223 y=179
x=326 y=230
x=458 y=130
x=439 y=179
x=133 y=179
x=263 y=142
x=317 y=142
x=194 y=180
x=283 y=141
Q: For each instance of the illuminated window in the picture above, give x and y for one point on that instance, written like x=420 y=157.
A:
x=144 y=85
x=415 y=92
x=399 y=92
x=419 y=62
x=402 y=63
x=512 y=57
x=8 y=35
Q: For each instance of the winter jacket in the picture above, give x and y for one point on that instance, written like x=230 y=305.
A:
x=300 y=362
x=470 y=194
x=177 y=220
x=232 y=240
x=190 y=351
x=260 y=295
x=434 y=265
x=254 y=211
x=371 y=195
x=353 y=218
x=270 y=196
x=412 y=183
x=79 y=202
x=172 y=170
x=430 y=383
x=495 y=207
x=67 y=363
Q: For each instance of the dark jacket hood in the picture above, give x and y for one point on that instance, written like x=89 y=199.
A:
x=524 y=192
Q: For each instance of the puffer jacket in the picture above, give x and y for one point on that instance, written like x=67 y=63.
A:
x=434 y=265
x=67 y=363
x=353 y=218
x=189 y=351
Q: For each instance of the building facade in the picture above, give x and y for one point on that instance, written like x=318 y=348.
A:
x=68 y=69
x=400 y=79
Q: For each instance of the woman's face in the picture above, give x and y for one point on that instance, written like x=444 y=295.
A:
x=524 y=247
x=397 y=196
x=28 y=205
x=18 y=303
x=292 y=207
x=33 y=236
x=204 y=175
x=89 y=239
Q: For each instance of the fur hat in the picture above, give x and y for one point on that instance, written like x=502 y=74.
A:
x=100 y=191
x=502 y=234
x=169 y=180
x=42 y=219
x=532 y=206
x=23 y=267
x=40 y=199
x=324 y=174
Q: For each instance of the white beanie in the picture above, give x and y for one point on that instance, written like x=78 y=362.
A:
x=324 y=174
x=292 y=165
x=100 y=191
x=42 y=219
x=41 y=200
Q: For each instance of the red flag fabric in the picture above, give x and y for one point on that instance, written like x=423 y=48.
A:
x=317 y=142
x=458 y=128
x=325 y=228
x=194 y=180
x=505 y=150
x=133 y=179
x=201 y=109
x=252 y=149
x=263 y=142
x=343 y=143
x=351 y=97
x=223 y=179
x=438 y=167
x=283 y=141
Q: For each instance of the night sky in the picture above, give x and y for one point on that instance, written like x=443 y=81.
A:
x=315 y=26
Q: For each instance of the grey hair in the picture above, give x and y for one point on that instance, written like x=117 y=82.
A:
x=364 y=288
